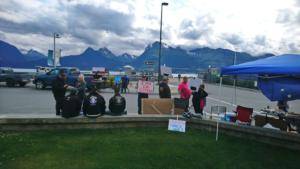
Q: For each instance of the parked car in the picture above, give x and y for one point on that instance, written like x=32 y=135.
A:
x=43 y=81
x=12 y=78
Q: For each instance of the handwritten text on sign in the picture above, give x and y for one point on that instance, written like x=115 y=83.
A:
x=145 y=87
x=176 y=125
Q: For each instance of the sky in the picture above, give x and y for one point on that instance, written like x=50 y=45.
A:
x=128 y=26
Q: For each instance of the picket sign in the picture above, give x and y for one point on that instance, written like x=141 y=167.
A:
x=177 y=125
x=145 y=87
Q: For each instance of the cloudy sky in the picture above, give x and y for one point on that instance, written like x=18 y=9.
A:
x=254 y=26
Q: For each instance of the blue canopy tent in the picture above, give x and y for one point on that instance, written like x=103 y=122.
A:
x=279 y=76
x=280 y=88
x=288 y=64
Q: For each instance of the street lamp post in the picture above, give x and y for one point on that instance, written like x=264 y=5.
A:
x=55 y=35
x=160 y=33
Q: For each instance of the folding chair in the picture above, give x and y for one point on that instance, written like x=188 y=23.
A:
x=243 y=115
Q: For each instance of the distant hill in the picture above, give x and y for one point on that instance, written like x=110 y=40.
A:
x=10 y=56
x=33 y=55
x=177 y=58
x=200 y=58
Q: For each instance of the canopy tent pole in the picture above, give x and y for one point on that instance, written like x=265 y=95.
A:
x=234 y=84
x=220 y=87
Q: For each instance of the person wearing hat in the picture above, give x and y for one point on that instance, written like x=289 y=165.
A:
x=164 y=89
x=59 y=88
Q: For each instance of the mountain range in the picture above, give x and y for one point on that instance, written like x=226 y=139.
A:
x=179 y=59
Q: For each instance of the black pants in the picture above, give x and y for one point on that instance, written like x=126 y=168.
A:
x=198 y=110
x=140 y=97
x=187 y=102
x=59 y=105
x=123 y=89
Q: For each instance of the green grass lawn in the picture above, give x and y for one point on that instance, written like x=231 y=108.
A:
x=137 y=148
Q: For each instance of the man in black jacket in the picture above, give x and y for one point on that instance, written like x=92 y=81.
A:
x=72 y=105
x=117 y=103
x=94 y=104
x=59 y=88
x=164 y=89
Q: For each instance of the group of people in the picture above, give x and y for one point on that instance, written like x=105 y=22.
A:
x=198 y=99
x=90 y=102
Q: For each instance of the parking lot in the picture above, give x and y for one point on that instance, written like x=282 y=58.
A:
x=29 y=102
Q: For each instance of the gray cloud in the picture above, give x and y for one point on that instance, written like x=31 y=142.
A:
x=233 y=39
x=284 y=16
x=260 y=40
x=192 y=34
x=45 y=26
x=100 y=18
x=85 y=22
x=195 y=30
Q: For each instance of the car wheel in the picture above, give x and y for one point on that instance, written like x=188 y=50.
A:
x=40 y=85
x=22 y=84
x=10 y=83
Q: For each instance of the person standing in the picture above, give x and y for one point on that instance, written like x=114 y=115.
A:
x=199 y=99
x=141 y=96
x=164 y=89
x=126 y=84
x=81 y=87
x=185 y=92
x=123 y=84
x=179 y=77
x=283 y=106
x=59 y=88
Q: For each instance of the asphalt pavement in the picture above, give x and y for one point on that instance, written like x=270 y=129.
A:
x=30 y=102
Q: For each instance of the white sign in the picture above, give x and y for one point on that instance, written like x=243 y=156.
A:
x=176 y=125
x=195 y=83
x=166 y=70
x=57 y=57
x=98 y=69
x=145 y=86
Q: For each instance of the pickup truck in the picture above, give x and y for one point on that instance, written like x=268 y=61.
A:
x=12 y=78
x=43 y=81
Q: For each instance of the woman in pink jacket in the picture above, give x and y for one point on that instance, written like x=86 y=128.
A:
x=185 y=92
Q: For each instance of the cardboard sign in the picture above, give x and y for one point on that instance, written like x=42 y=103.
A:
x=157 y=106
x=145 y=87
x=176 y=125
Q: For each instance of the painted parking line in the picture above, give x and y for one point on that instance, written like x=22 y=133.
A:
x=222 y=101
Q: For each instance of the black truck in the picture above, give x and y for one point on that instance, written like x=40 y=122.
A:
x=12 y=78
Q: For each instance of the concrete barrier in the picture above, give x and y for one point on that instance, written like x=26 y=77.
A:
x=273 y=137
